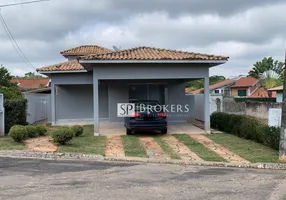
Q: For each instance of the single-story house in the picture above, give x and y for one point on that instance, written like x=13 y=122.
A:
x=279 y=93
x=88 y=87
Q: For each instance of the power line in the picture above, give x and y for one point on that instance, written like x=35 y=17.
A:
x=22 y=3
x=15 y=44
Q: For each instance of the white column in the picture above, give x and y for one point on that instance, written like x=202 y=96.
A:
x=95 y=105
x=53 y=104
x=207 y=105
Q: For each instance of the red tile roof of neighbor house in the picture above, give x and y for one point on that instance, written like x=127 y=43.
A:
x=86 y=50
x=211 y=87
x=262 y=93
x=31 y=83
x=149 y=53
x=245 y=82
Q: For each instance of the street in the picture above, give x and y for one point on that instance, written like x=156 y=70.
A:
x=42 y=179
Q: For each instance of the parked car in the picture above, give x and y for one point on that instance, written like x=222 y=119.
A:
x=148 y=116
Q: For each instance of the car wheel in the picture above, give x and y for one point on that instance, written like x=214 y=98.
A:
x=164 y=131
x=128 y=131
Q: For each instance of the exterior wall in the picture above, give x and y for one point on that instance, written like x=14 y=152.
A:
x=234 y=91
x=260 y=109
x=150 y=71
x=72 y=78
x=233 y=107
x=199 y=107
x=253 y=88
x=279 y=96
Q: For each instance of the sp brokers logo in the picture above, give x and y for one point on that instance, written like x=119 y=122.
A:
x=125 y=109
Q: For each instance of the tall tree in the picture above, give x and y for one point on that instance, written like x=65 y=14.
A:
x=282 y=144
x=10 y=90
x=264 y=65
x=269 y=79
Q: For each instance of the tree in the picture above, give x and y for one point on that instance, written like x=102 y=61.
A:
x=32 y=75
x=282 y=144
x=9 y=89
x=269 y=79
x=267 y=64
x=197 y=84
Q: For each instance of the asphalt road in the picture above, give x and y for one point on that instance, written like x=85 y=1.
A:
x=41 y=179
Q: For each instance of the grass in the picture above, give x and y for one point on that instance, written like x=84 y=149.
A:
x=167 y=149
x=247 y=149
x=86 y=143
x=199 y=149
x=132 y=146
x=6 y=143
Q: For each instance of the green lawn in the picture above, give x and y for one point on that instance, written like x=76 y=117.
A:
x=132 y=146
x=247 y=149
x=86 y=143
x=6 y=143
x=199 y=149
x=166 y=148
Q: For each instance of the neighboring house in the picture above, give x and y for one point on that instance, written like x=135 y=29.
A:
x=245 y=87
x=88 y=90
x=279 y=93
x=26 y=84
x=222 y=87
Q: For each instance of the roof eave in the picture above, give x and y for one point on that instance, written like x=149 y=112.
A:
x=217 y=62
x=57 y=72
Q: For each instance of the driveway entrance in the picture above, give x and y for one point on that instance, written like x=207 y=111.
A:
x=117 y=128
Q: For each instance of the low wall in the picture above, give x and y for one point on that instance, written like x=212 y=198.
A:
x=260 y=109
x=232 y=107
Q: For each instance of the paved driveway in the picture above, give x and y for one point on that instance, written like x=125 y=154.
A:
x=37 y=179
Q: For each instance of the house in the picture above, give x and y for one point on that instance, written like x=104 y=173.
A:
x=236 y=87
x=88 y=87
x=279 y=93
x=222 y=87
x=26 y=84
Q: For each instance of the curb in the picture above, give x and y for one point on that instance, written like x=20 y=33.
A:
x=94 y=157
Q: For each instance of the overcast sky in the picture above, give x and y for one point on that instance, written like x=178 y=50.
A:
x=244 y=30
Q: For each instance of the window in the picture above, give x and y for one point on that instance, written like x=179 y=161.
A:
x=241 y=93
x=227 y=93
x=216 y=91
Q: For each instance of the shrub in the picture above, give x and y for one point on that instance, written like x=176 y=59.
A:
x=41 y=130
x=15 y=113
x=31 y=131
x=62 y=135
x=77 y=130
x=245 y=99
x=247 y=128
x=18 y=133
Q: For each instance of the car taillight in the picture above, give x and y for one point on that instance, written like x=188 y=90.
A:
x=136 y=114
x=162 y=114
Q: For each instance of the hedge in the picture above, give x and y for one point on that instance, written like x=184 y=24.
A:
x=246 y=127
x=244 y=99
x=15 y=113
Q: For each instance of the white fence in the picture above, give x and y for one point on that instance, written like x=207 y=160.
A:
x=2 y=115
x=39 y=107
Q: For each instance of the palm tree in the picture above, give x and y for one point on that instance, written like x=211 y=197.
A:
x=269 y=80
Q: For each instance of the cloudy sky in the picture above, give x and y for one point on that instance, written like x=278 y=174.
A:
x=244 y=30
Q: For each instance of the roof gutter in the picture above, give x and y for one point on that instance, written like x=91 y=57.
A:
x=154 y=61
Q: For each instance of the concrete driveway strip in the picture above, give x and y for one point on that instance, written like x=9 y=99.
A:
x=24 y=179
x=114 y=146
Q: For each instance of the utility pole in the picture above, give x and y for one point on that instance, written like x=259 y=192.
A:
x=282 y=145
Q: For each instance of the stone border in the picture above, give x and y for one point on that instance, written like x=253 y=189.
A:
x=94 y=157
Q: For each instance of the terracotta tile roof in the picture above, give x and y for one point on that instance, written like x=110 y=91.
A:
x=211 y=87
x=149 y=53
x=262 y=92
x=245 y=82
x=278 y=88
x=86 y=50
x=31 y=83
x=65 y=66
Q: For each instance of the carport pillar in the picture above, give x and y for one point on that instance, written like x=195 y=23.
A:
x=95 y=105
x=207 y=105
x=53 y=104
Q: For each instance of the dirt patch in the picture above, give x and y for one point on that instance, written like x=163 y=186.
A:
x=114 y=146
x=218 y=149
x=153 y=150
x=41 y=144
x=184 y=152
